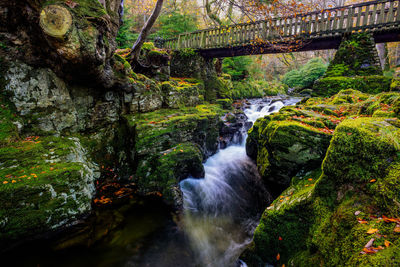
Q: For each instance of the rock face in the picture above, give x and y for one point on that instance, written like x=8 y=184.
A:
x=323 y=218
x=42 y=33
x=188 y=63
x=171 y=144
x=291 y=142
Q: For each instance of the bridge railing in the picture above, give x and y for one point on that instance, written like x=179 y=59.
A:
x=369 y=16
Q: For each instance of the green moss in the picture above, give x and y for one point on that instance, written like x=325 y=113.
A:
x=163 y=171
x=360 y=176
x=395 y=85
x=367 y=84
x=362 y=62
x=226 y=103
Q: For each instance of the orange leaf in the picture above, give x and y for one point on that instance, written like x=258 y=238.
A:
x=278 y=257
x=372 y=231
x=372 y=180
x=5 y=182
x=397 y=229
x=369 y=250
x=310 y=179
x=387 y=243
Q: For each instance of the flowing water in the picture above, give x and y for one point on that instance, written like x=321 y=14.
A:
x=222 y=210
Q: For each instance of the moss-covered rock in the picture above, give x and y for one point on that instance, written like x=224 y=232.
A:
x=324 y=219
x=46 y=182
x=363 y=61
x=168 y=131
x=395 y=85
x=290 y=142
x=368 y=84
x=182 y=92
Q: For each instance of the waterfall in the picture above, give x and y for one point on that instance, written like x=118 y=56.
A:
x=222 y=210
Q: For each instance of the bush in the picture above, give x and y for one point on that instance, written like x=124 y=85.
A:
x=176 y=23
x=366 y=84
x=306 y=75
x=256 y=89
x=236 y=67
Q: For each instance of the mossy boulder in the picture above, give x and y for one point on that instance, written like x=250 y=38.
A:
x=284 y=147
x=170 y=145
x=162 y=172
x=323 y=219
x=46 y=182
x=368 y=84
x=182 y=92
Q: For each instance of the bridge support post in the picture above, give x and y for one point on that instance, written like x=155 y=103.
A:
x=356 y=56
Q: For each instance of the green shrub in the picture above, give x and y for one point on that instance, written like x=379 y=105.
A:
x=367 y=84
x=306 y=75
x=236 y=67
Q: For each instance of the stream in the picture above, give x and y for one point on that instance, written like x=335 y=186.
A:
x=221 y=212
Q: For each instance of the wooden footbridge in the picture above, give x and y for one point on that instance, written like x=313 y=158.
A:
x=318 y=30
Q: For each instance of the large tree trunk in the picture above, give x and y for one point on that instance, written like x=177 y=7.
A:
x=146 y=30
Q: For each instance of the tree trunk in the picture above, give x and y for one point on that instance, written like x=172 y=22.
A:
x=146 y=30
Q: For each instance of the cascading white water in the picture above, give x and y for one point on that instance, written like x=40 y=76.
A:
x=222 y=210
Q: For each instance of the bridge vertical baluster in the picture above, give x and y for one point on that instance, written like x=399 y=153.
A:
x=220 y=37
x=308 y=21
x=382 y=15
x=290 y=26
x=324 y=23
x=373 y=16
x=341 y=20
x=398 y=12
x=318 y=23
x=350 y=14
x=390 y=14
x=335 y=22
x=358 y=22
x=295 y=25
x=366 y=17
x=315 y=24
x=302 y=25
x=215 y=38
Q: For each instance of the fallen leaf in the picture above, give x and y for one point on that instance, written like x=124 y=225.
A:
x=370 y=243
x=5 y=182
x=71 y=4
x=389 y=220
x=278 y=257
x=387 y=243
x=310 y=179
x=397 y=228
x=372 y=231
x=369 y=250
x=372 y=180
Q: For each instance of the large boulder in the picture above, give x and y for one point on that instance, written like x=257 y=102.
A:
x=170 y=145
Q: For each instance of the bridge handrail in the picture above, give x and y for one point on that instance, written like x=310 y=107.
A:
x=290 y=24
